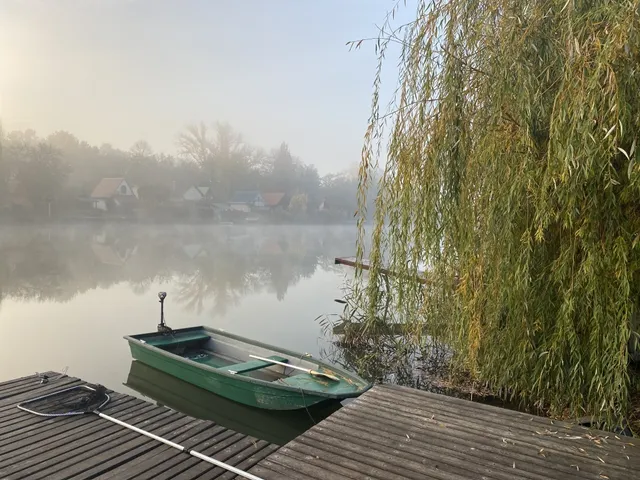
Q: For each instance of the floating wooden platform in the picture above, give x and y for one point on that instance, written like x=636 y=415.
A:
x=365 y=265
x=396 y=433
x=389 y=433
x=86 y=447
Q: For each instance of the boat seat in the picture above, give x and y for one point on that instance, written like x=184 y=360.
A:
x=180 y=340
x=253 y=365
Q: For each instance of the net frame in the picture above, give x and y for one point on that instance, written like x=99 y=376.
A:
x=100 y=390
x=100 y=402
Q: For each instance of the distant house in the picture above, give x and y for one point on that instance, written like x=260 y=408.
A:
x=275 y=200
x=195 y=194
x=112 y=193
x=245 y=201
x=199 y=202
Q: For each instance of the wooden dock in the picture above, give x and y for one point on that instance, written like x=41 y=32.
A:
x=365 y=265
x=86 y=447
x=389 y=433
x=397 y=433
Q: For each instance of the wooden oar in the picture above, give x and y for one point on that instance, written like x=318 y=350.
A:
x=315 y=373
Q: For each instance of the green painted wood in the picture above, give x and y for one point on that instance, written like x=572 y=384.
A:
x=253 y=365
x=205 y=358
x=300 y=390
x=180 y=339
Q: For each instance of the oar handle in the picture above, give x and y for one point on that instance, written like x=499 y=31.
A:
x=280 y=363
x=307 y=370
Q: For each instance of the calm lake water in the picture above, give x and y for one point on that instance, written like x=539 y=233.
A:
x=68 y=294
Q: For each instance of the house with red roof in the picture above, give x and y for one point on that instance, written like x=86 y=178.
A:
x=111 y=193
x=276 y=200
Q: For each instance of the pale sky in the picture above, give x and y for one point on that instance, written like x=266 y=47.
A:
x=118 y=71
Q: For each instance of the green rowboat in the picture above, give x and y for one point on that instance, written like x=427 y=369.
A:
x=222 y=363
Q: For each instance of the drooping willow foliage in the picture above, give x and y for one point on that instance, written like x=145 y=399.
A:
x=512 y=171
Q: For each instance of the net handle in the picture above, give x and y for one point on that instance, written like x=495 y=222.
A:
x=177 y=446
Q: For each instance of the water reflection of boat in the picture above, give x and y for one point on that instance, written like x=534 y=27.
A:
x=277 y=427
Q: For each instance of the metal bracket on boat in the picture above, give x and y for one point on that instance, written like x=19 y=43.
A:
x=162 y=327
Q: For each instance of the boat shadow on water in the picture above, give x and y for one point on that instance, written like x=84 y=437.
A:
x=275 y=426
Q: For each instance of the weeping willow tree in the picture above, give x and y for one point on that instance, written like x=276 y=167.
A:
x=511 y=171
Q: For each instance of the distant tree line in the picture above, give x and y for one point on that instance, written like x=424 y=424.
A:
x=45 y=176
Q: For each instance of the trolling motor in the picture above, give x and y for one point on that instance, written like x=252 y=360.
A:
x=162 y=328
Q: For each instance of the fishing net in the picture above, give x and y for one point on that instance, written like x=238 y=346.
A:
x=76 y=400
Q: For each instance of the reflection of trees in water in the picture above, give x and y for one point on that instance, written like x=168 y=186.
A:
x=223 y=279
x=378 y=348
x=142 y=286
x=227 y=270
x=383 y=357
x=211 y=268
x=32 y=269
x=387 y=358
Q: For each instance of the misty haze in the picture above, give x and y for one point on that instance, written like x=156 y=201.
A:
x=133 y=113
x=323 y=239
x=205 y=149
x=184 y=111
x=62 y=284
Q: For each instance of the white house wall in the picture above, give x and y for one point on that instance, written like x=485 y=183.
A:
x=240 y=207
x=192 y=195
x=100 y=205
x=127 y=192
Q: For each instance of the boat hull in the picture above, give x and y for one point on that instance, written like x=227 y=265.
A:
x=234 y=387
x=274 y=426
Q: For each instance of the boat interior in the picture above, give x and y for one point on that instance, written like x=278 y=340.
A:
x=232 y=355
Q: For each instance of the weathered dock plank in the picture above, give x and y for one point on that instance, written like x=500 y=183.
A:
x=399 y=433
x=389 y=433
x=88 y=447
x=166 y=458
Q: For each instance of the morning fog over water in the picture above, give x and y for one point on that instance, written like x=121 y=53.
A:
x=69 y=293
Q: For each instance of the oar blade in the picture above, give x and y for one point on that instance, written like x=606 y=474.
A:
x=326 y=375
